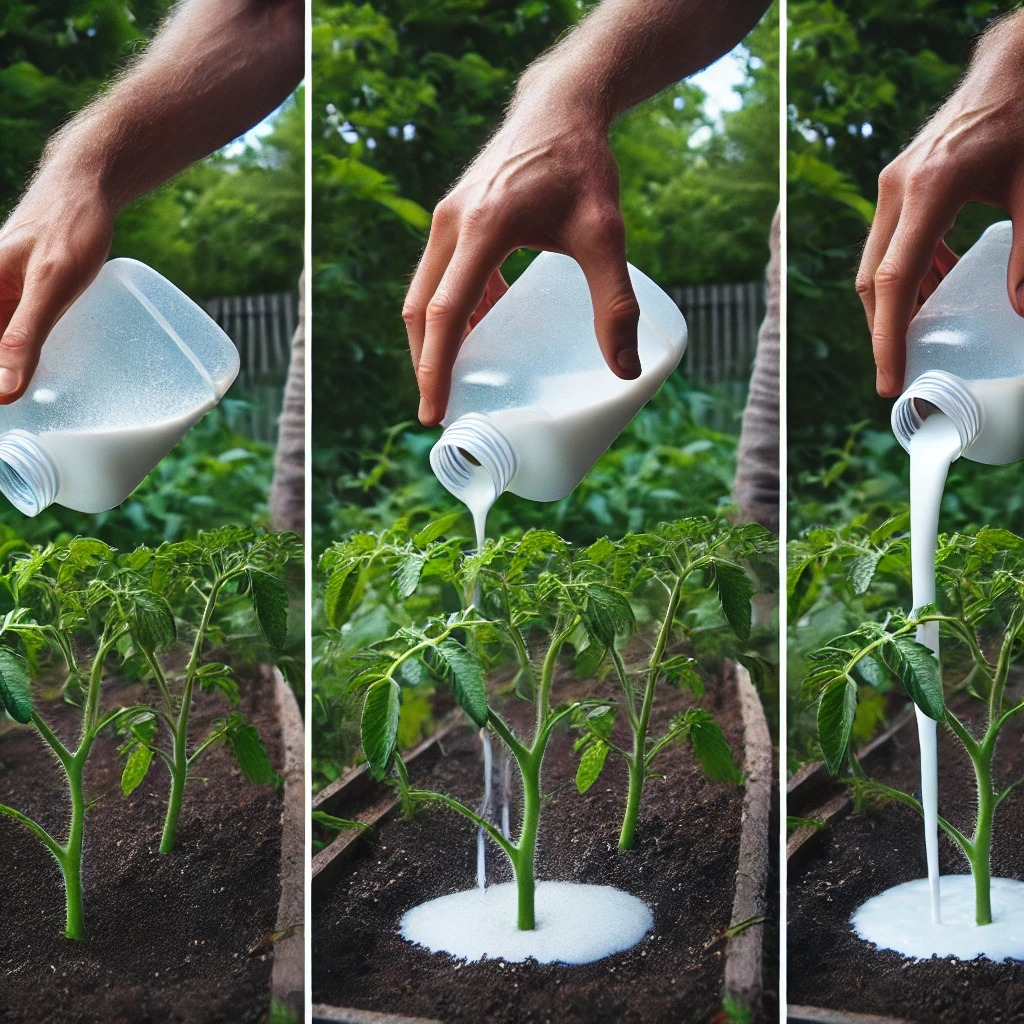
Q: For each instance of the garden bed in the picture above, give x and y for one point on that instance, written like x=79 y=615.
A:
x=684 y=867
x=859 y=855
x=186 y=937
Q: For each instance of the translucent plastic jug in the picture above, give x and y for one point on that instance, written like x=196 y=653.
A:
x=965 y=357
x=533 y=404
x=123 y=375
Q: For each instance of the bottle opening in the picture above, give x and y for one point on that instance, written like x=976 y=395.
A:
x=473 y=457
x=932 y=392
x=28 y=475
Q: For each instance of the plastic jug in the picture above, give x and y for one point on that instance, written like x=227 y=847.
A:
x=123 y=375
x=965 y=357
x=533 y=405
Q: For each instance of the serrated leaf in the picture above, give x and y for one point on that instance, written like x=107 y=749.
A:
x=607 y=613
x=136 y=768
x=591 y=765
x=735 y=589
x=407 y=577
x=154 y=627
x=713 y=750
x=862 y=571
x=438 y=528
x=467 y=673
x=918 y=671
x=339 y=594
x=378 y=725
x=15 y=688
x=250 y=753
x=216 y=674
x=837 y=709
x=270 y=603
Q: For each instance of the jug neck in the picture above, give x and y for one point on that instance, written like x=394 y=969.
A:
x=28 y=475
x=948 y=394
x=473 y=452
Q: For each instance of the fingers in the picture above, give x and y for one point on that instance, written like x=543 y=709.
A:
x=496 y=287
x=432 y=265
x=446 y=316
x=1015 y=269
x=46 y=295
x=887 y=216
x=601 y=253
x=924 y=219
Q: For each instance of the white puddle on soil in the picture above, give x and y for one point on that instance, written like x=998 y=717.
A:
x=900 y=919
x=576 y=924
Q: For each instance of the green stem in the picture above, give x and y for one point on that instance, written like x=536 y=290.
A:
x=527 y=846
x=547 y=676
x=71 y=862
x=982 y=843
x=637 y=771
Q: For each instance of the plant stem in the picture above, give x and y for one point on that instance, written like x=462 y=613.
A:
x=527 y=846
x=71 y=861
x=637 y=771
x=982 y=842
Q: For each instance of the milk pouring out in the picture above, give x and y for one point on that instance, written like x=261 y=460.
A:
x=533 y=405
x=963 y=396
x=128 y=369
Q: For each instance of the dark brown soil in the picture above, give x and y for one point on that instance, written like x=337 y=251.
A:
x=683 y=867
x=178 y=938
x=864 y=854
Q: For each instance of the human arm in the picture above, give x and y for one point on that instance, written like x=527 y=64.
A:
x=971 y=150
x=216 y=68
x=548 y=179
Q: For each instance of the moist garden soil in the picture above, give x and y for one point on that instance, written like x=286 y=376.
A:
x=182 y=937
x=683 y=867
x=863 y=854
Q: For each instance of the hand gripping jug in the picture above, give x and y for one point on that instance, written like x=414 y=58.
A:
x=533 y=405
x=123 y=375
x=965 y=357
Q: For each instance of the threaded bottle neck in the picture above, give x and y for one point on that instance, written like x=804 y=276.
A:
x=28 y=475
x=471 y=452
x=950 y=395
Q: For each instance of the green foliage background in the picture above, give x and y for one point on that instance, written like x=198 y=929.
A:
x=862 y=78
x=229 y=225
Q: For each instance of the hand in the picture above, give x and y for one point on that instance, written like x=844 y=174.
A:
x=547 y=180
x=52 y=246
x=970 y=151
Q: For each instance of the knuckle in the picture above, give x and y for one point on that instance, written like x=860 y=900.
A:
x=411 y=313
x=16 y=339
x=864 y=283
x=446 y=214
x=623 y=309
x=917 y=183
x=889 y=275
x=439 y=309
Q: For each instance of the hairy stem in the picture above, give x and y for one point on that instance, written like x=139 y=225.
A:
x=982 y=842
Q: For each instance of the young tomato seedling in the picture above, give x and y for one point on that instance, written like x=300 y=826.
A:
x=981 y=609
x=201 y=578
x=657 y=568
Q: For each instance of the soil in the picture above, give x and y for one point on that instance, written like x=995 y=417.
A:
x=183 y=938
x=683 y=867
x=863 y=854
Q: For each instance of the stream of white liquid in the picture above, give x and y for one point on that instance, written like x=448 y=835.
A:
x=933 y=450
x=485 y=810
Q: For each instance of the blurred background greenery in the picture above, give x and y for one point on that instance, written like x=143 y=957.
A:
x=231 y=225
x=862 y=78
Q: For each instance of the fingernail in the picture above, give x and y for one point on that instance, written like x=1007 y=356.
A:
x=8 y=380
x=628 y=360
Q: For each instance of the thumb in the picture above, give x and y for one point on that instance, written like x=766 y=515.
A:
x=616 y=310
x=43 y=301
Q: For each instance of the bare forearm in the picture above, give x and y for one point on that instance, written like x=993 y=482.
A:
x=627 y=50
x=215 y=69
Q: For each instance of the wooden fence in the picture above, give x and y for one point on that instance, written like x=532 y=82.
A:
x=261 y=326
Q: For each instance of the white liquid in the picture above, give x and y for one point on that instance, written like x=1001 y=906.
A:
x=576 y=924
x=485 y=810
x=932 y=451
x=99 y=469
x=898 y=920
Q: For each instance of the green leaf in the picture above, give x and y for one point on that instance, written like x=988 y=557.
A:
x=713 y=750
x=136 y=768
x=15 y=689
x=591 y=764
x=468 y=676
x=836 y=711
x=438 y=528
x=862 y=571
x=154 y=628
x=340 y=593
x=407 y=577
x=249 y=751
x=378 y=726
x=607 y=613
x=270 y=603
x=735 y=589
x=216 y=674
x=918 y=671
